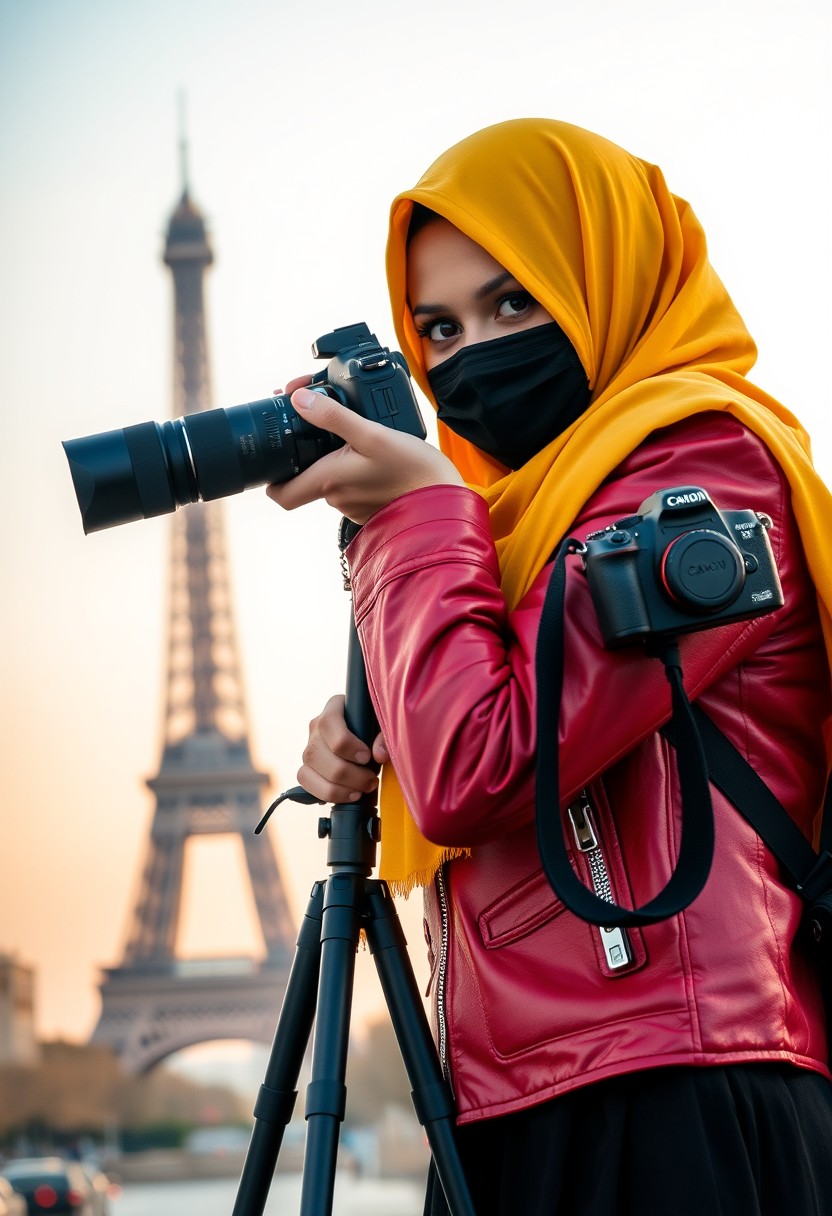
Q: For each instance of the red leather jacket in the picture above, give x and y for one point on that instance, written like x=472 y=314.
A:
x=528 y=1005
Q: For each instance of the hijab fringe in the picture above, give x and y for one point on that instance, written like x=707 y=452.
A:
x=402 y=887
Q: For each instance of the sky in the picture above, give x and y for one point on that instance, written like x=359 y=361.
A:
x=303 y=121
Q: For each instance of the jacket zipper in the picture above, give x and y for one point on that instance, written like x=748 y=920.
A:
x=441 y=973
x=615 y=942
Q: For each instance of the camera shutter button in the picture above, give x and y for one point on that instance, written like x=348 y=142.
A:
x=619 y=537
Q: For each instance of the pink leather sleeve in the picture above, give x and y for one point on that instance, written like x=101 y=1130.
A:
x=452 y=673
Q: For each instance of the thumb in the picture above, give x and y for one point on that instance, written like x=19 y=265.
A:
x=323 y=411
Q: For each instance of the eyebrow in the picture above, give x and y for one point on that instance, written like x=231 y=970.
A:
x=486 y=289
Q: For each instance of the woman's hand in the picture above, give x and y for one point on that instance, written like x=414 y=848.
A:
x=375 y=466
x=337 y=766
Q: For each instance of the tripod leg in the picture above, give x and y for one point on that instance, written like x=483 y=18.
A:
x=326 y=1093
x=276 y=1099
x=432 y=1096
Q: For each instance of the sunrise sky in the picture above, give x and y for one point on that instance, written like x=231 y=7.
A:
x=303 y=121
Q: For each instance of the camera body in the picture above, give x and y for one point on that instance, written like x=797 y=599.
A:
x=151 y=468
x=367 y=378
x=678 y=566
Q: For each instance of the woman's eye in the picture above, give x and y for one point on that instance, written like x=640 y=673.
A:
x=514 y=304
x=441 y=331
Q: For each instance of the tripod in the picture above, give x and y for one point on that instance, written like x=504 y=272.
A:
x=320 y=990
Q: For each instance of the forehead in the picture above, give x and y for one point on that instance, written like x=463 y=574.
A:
x=443 y=262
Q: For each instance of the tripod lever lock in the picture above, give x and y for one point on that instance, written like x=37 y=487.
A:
x=296 y=794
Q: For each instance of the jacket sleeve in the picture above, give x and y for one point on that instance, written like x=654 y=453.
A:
x=452 y=672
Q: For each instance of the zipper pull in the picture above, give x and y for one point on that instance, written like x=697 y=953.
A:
x=614 y=941
x=617 y=949
x=582 y=826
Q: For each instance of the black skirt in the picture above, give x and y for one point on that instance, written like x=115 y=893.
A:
x=747 y=1140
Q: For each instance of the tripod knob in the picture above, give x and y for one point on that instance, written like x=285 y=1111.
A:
x=324 y=828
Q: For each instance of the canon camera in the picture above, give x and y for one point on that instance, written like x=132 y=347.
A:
x=678 y=566
x=152 y=468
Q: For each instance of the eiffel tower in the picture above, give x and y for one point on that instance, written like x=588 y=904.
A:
x=154 y=1004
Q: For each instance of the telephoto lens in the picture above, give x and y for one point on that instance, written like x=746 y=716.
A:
x=153 y=468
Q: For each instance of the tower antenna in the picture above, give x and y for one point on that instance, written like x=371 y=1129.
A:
x=183 y=142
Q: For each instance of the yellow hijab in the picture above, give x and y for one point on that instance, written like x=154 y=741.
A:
x=622 y=265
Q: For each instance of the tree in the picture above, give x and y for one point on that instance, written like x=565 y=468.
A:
x=78 y=1089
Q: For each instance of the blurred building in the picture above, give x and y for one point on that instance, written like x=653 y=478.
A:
x=18 y=1044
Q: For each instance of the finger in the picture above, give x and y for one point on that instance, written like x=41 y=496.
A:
x=380 y=753
x=323 y=411
x=336 y=763
x=313 y=483
x=333 y=791
x=331 y=725
x=307 y=487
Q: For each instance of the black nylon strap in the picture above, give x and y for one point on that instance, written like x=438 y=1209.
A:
x=697 y=840
x=731 y=773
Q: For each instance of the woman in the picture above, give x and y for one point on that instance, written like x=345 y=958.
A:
x=555 y=302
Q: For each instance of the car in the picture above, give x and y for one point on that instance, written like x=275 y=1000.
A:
x=11 y=1204
x=52 y=1185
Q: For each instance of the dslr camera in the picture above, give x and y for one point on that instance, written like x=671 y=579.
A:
x=678 y=566
x=152 y=468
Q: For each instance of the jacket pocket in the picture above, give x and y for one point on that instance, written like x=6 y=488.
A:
x=519 y=911
x=530 y=974
x=540 y=974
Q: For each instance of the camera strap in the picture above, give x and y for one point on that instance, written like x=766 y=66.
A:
x=696 y=847
x=810 y=873
x=703 y=753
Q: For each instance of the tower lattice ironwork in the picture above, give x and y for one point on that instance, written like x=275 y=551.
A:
x=154 y=1003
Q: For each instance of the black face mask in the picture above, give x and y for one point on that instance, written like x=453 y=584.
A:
x=511 y=396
